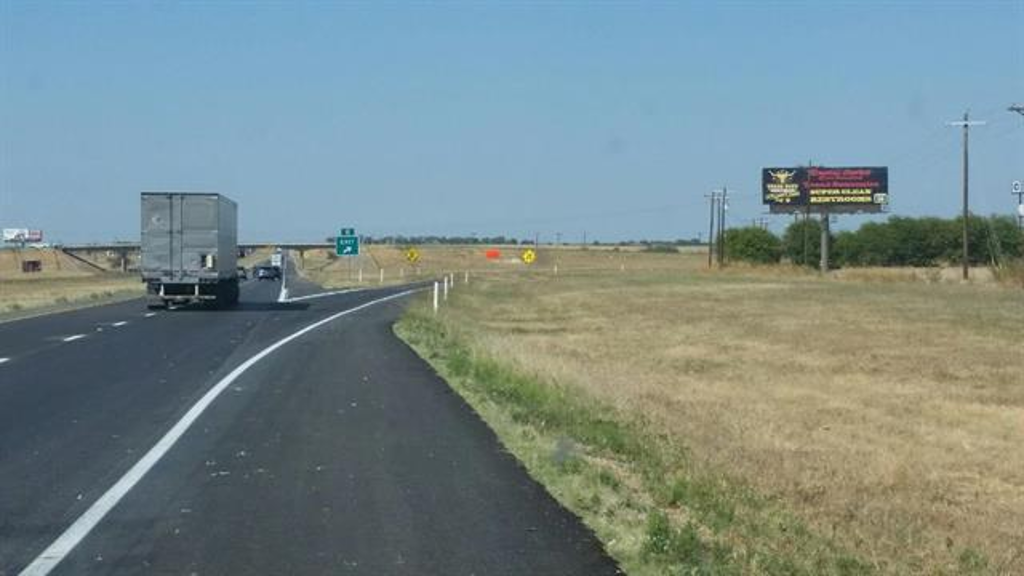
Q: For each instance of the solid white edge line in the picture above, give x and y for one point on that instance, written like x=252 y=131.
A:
x=321 y=295
x=73 y=338
x=74 y=534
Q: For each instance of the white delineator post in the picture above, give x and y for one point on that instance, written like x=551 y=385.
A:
x=467 y=277
x=446 y=288
x=360 y=275
x=435 y=297
x=381 y=275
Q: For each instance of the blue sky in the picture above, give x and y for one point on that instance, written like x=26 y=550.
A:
x=487 y=118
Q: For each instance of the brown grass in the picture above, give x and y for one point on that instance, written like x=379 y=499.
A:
x=26 y=297
x=888 y=415
x=55 y=265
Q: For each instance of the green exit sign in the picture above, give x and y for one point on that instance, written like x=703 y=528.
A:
x=348 y=232
x=346 y=245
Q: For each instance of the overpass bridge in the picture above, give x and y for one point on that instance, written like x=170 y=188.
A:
x=125 y=251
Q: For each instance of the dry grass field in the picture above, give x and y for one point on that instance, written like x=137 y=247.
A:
x=54 y=265
x=63 y=283
x=25 y=297
x=887 y=415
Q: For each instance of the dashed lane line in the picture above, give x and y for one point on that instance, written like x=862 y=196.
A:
x=73 y=337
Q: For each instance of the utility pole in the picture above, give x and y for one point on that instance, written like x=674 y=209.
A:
x=723 y=205
x=966 y=123
x=1017 y=190
x=711 y=226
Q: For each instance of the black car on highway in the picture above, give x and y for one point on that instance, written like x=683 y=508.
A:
x=268 y=273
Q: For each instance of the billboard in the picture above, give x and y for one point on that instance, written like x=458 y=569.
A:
x=22 y=235
x=823 y=189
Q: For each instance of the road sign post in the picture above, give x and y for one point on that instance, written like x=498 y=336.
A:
x=1018 y=190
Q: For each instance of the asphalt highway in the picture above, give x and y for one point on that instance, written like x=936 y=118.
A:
x=338 y=451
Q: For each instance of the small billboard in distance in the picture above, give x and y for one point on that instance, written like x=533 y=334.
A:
x=825 y=189
x=22 y=235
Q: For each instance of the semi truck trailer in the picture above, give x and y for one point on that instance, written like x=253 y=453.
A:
x=189 y=248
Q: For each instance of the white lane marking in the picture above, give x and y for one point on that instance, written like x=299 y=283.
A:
x=66 y=542
x=73 y=338
x=3 y=360
x=282 y=295
x=321 y=295
x=150 y=314
x=119 y=324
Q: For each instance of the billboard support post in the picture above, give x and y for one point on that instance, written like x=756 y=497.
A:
x=824 y=241
x=807 y=246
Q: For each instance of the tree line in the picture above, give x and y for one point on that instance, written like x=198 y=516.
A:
x=899 y=241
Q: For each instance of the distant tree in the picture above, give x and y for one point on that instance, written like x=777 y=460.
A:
x=929 y=241
x=752 y=244
x=801 y=242
x=660 y=248
x=1008 y=237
